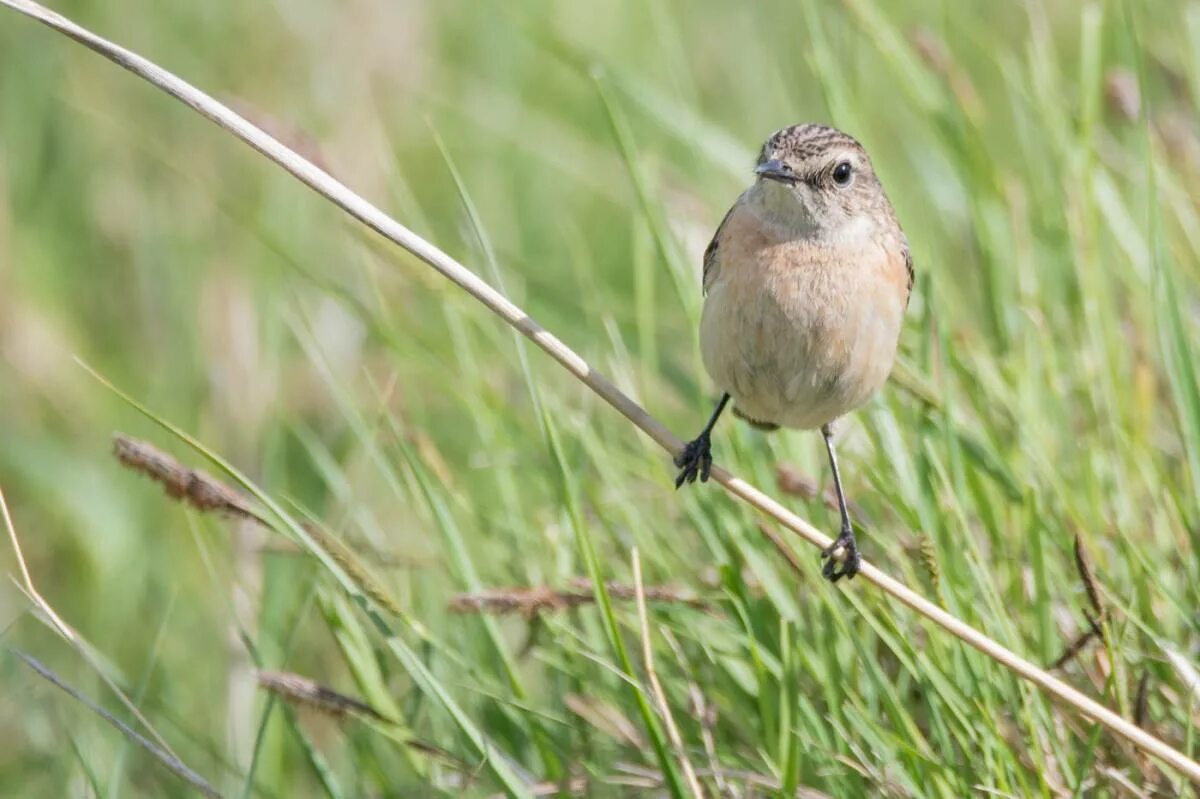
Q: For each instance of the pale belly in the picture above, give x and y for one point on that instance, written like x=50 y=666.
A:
x=802 y=349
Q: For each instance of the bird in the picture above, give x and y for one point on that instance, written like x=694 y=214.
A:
x=806 y=283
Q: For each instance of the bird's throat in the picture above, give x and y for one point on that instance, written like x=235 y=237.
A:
x=787 y=210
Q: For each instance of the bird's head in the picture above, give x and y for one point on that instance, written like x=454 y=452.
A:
x=817 y=179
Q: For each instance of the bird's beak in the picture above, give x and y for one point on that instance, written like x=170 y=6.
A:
x=776 y=170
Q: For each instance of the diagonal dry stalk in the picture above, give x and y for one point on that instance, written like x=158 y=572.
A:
x=170 y=761
x=162 y=750
x=656 y=689
x=357 y=207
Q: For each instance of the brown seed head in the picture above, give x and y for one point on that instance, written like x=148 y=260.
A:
x=303 y=691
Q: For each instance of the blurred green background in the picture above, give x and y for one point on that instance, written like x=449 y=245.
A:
x=1043 y=158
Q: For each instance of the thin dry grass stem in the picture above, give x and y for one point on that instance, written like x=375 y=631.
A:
x=573 y=786
x=656 y=689
x=1186 y=673
x=536 y=600
x=705 y=713
x=637 y=776
x=788 y=553
x=67 y=632
x=607 y=718
x=286 y=131
x=30 y=589
x=173 y=763
x=208 y=494
x=513 y=315
x=1122 y=782
x=300 y=690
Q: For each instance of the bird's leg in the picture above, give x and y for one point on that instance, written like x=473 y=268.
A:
x=695 y=459
x=842 y=552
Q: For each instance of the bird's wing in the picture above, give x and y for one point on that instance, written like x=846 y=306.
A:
x=712 y=268
x=912 y=272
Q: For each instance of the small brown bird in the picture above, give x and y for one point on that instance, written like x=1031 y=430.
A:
x=806 y=283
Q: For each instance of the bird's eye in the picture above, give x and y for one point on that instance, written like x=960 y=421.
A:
x=842 y=173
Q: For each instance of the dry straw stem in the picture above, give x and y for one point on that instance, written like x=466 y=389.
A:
x=171 y=762
x=372 y=217
x=162 y=750
x=656 y=689
x=706 y=714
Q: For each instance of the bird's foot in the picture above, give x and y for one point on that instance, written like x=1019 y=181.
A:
x=695 y=460
x=841 y=557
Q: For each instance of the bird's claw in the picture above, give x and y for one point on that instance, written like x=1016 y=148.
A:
x=841 y=557
x=695 y=460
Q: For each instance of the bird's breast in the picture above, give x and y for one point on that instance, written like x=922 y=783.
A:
x=800 y=332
